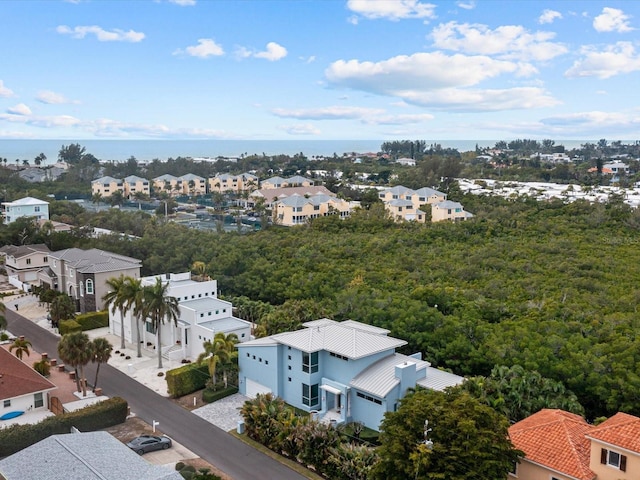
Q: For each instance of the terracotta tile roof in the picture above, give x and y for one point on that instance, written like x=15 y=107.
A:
x=17 y=378
x=555 y=439
x=621 y=430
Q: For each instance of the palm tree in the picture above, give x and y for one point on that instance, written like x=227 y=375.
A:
x=219 y=351
x=199 y=269
x=159 y=306
x=76 y=349
x=101 y=354
x=114 y=298
x=21 y=346
x=132 y=295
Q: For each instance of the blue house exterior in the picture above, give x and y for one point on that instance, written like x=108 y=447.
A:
x=26 y=207
x=339 y=371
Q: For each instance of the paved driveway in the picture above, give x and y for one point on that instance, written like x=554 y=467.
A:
x=224 y=413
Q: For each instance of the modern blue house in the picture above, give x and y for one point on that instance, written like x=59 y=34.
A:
x=26 y=207
x=342 y=371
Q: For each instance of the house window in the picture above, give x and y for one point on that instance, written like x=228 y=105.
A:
x=89 y=287
x=28 y=261
x=45 y=259
x=149 y=328
x=38 y=400
x=288 y=357
x=248 y=355
x=266 y=362
x=289 y=378
x=36 y=209
x=309 y=362
x=81 y=289
x=613 y=459
x=310 y=395
x=7 y=403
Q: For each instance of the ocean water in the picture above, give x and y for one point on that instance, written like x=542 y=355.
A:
x=146 y=150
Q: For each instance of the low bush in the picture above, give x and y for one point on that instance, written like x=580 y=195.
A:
x=94 y=417
x=43 y=367
x=187 y=379
x=69 y=326
x=209 y=395
x=92 y=320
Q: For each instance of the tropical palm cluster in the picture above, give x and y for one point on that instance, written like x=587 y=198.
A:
x=145 y=302
x=220 y=353
x=270 y=421
x=77 y=351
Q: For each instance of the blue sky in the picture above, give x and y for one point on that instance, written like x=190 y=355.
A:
x=316 y=70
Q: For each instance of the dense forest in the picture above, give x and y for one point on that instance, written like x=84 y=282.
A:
x=545 y=285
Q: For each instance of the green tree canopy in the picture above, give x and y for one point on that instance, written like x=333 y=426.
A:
x=464 y=439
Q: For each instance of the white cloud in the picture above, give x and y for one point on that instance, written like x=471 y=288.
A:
x=183 y=3
x=41 y=121
x=612 y=20
x=19 y=109
x=507 y=41
x=205 y=48
x=403 y=119
x=53 y=98
x=4 y=91
x=273 y=52
x=391 y=9
x=303 y=129
x=468 y=5
x=548 y=16
x=116 y=35
x=594 y=123
x=420 y=72
x=309 y=59
x=326 y=113
x=613 y=60
x=483 y=100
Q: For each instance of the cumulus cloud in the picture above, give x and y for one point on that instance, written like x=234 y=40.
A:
x=549 y=16
x=205 y=48
x=19 y=109
x=300 y=129
x=53 y=98
x=612 y=20
x=115 y=35
x=272 y=53
x=326 y=113
x=420 y=71
x=4 y=91
x=391 y=9
x=615 y=59
x=507 y=41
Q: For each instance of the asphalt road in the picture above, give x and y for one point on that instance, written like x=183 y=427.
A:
x=217 y=447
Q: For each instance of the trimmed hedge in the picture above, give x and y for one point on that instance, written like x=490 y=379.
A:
x=69 y=326
x=94 y=417
x=184 y=380
x=91 y=320
x=209 y=395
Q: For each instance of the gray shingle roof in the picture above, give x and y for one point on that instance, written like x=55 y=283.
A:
x=86 y=456
x=448 y=204
x=95 y=260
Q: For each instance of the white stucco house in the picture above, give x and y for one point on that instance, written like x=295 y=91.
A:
x=202 y=315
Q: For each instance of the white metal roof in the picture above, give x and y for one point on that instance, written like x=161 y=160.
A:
x=380 y=377
x=439 y=379
x=338 y=338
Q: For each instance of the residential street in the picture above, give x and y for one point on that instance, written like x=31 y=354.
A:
x=232 y=456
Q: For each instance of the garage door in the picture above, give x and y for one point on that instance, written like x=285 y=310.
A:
x=254 y=388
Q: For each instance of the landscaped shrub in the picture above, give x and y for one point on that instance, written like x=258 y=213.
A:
x=91 y=320
x=94 y=417
x=187 y=379
x=209 y=396
x=69 y=326
x=43 y=367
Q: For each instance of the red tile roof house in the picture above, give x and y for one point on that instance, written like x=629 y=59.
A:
x=559 y=445
x=22 y=389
